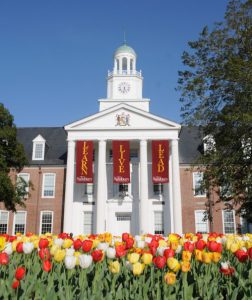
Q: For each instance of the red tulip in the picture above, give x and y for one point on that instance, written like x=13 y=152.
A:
x=15 y=284
x=129 y=243
x=47 y=266
x=213 y=246
x=250 y=253
x=199 y=236
x=63 y=235
x=43 y=243
x=153 y=250
x=125 y=236
x=228 y=271
x=44 y=254
x=20 y=273
x=97 y=255
x=19 y=247
x=77 y=244
x=87 y=245
x=188 y=246
x=200 y=245
x=159 y=261
x=154 y=243
x=12 y=238
x=241 y=255
x=4 y=258
x=120 y=251
x=169 y=253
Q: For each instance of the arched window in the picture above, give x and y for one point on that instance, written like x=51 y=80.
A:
x=124 y=63
x=118 y=64
x=131 y=64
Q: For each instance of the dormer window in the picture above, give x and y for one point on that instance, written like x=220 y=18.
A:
x=38 y=152
x=209 y=143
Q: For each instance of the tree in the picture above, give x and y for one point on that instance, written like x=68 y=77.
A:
x=216 y=95
x=12 y=160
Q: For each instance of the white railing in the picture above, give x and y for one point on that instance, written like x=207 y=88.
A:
x=124 y=72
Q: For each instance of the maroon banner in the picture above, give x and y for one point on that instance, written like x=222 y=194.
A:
x=121 y=161
x=160 y=160
x=84 y=162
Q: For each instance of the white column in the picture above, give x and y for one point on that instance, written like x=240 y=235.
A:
x=143 y=211
x=101 y=188
x=68 y=208
x=177 y=211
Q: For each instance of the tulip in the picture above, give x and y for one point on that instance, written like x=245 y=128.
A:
x=160 y=250
x=111 y=252
x=2 y=243
x=103 y=246
x=59 y=242
x=140 y=244
x=216 y=256
x=20 y=273
x=133 y=257
x=137 y=268
x=169 y=253
x=198 y=255
x=186 y=255
x=120 y=251
x=153 y=250
x=77 y=244
x=43 y=243
x=125 y=236
x=234 y=247
x=188 y=246
x=185 y=266
x=70 y=262
x=8 y=248
x=59 y=255
x=200 y=245
x=47 y=266
x=226 y=269
x=173 y=264
x=19 y=247
x=87 y=245
x=97 y=255
x=250 y=253
x=15 y=284
x=4 y=258
x=114 y=267
x=85 y=260
x=129 y=243
x=159 y=261
x=241 y=255
x=206 y=257
x=67 y=243
x=153 y=243
x=69 y=252
x=170 y=278
x=147 y=258
x=54 y=249
x=28 y=247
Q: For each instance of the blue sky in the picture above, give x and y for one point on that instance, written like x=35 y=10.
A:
x=55 y=54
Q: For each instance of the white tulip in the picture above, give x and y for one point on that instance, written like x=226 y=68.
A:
x=160 y=250
x=70 y=262
x=147 y=239
x=111 y=252
x=58 y=242
x=8 y=249
x=128 y=265
x=85 y=260
x=102 y=246
x=140 y=244
x=179 y=249
x=69 y=252
x=28 y=247
x=225 y=265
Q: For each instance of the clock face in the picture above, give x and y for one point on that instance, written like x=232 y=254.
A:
x=124 y=87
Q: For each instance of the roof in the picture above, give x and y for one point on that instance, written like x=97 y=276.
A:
x=56 y=145
x=190 y=144
x=125 y=49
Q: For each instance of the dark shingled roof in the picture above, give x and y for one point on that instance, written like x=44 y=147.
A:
x=190 y=144
x=56 y=145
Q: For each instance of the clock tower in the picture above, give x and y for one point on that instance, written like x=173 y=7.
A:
x=124 y=82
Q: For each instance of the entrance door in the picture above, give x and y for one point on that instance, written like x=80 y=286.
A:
x=123 y=221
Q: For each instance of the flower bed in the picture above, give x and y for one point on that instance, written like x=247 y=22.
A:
x=208 y=266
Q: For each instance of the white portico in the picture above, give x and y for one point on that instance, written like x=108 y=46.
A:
x=138 y=207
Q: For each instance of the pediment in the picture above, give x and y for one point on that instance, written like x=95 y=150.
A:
x=121 y=117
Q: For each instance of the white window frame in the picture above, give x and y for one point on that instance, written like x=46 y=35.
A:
x=162 y=216
x=223 y=225
x=27 y=188
x=194 y=181
x=8 y=215
x=160 y=189
x=195 y=218
x=14 y=221
x=38 y=141
x=92 y=221
x=43 y=186
x=41 y=216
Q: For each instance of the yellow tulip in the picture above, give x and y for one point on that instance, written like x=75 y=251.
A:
x=53 y=249
x=173 y=264
x=14 y=245
x=198 y=255
x=96 y=242
x=234 y=247
x=59 y=255
x=170 y=278
x=147 y=258
x=162 y=243
x=137 y=268
x=133 y=258
x=216 y=256
x=67 y=243
x=2 y=243
x=185 y=266
x=186 y=255
x=206 y=257
x=174 y=245
x=114 y=266
x=77 y=254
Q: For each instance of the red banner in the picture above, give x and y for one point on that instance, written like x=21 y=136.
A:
x=84 y=162
x=160 y=161
x=121 y=161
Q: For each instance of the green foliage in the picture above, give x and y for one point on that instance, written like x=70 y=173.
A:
x=216 y=94
x=12 y=157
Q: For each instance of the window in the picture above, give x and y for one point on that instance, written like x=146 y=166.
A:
x=124 y=64
x=208 y=143
x=158 y=222
x=38 y=151
x=19 y=222
x=123 y=216
x=89 y=189
x=25 y=180
x=48 y=185
x=88 y=222
x=46 y=222
x=158 y=188
x=4 y=219
x=133 y=154
x=197 y=179
x=228 y=221
x=201 y=225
